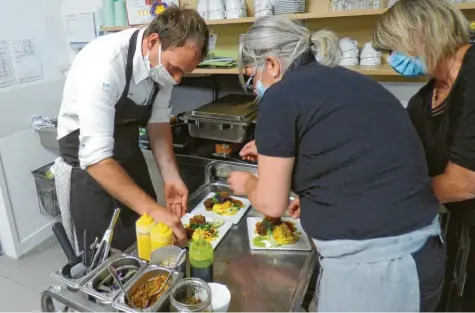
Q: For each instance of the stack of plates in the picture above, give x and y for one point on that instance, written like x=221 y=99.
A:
x=289 y=6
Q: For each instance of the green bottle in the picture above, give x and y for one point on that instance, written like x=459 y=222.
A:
x=201 y=259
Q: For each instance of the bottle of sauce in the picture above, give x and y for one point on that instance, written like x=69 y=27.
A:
x=161 y=236
x=201 y=260
x=143 y=228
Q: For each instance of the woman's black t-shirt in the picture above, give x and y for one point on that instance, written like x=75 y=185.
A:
x=448 y=132
x=359 y=167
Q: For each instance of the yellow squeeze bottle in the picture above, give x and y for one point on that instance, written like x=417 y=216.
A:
x=161 y=236
x=143 y=228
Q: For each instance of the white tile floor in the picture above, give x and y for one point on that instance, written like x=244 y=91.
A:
x=23 y=280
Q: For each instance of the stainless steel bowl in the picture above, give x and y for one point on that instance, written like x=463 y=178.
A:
x=166 y=257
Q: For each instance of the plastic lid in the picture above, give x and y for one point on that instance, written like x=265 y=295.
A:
x=162 y=229
x=145 y=221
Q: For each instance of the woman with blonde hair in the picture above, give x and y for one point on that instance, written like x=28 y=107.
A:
x=345 y=145
x=430 y=37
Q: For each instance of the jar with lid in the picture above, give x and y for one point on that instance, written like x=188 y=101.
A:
x=161 y=236
x=143 y=228
x=191 y=295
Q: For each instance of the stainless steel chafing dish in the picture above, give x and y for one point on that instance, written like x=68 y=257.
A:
x=226 y=119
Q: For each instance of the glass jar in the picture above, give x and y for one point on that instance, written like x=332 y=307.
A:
x=193 y=289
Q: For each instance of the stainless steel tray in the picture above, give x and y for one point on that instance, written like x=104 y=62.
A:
x=151 y=271
x=75 y=284
x=103 y=273
x=231 y=108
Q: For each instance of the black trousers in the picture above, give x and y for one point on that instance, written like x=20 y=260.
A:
x=430 y=262
x=92 y=207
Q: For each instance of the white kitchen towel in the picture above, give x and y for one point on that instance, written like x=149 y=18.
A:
x=62 y=177
x=40 y=122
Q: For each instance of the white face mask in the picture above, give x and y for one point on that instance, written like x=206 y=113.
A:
x=159 y=74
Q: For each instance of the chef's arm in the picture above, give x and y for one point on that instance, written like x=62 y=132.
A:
x=269 y=192
x=455 y=184
x=161 y=143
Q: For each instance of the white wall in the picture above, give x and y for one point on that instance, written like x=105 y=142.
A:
x=21 y=225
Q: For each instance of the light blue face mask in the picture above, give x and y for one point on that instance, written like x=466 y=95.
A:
x=260 y=89
x=407 y=65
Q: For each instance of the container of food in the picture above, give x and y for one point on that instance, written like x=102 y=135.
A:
x=102 y=285
x=191 y=295
x=75 y=284
x=226 y=119
x=166 y=257
x=145 y=284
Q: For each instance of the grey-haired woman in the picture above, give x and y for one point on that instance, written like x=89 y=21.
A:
x=346 y=146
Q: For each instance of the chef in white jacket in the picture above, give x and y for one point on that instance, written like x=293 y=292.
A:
x=116 y=84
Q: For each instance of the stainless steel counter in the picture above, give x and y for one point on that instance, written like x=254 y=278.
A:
x=258 y=280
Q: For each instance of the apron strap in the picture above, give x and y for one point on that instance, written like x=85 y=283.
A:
x=130 y=62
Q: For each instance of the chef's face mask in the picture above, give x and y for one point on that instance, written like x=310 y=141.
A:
x=159 y=74
x=260 y=88
x=407 y=65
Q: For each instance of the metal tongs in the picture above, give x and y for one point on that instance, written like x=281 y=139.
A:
x=103 y=251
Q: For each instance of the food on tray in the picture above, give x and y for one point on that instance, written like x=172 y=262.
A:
x=283 y=233
x=168 y=263
x=108 y=285
x=141 y=295
x=221 y=203
x=199 y=226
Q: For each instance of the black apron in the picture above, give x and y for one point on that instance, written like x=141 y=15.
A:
x=91 y=206
x=436 y=137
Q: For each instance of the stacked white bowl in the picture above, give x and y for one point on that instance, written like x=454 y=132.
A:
x=263 y=8
x=369 y=56
x=289 y=6
x=349 y=52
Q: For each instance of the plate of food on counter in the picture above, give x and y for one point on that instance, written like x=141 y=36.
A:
x=221 y=205
x=277 y=234
x=211 y=229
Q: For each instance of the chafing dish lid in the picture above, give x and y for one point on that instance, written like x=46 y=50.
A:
x=237 y=108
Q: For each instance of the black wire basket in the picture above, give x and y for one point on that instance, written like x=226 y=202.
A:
x=46 y=192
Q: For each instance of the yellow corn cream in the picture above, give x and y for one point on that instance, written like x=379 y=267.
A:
x=143 y=228
x=161 y=236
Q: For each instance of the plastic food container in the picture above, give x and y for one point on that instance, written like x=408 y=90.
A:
x=161 y=236
x=143 y=228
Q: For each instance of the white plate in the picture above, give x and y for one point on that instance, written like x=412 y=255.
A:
x=222 y=230
x=200 y=209
x=303 y=244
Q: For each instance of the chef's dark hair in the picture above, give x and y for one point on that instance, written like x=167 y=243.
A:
x=175 y=26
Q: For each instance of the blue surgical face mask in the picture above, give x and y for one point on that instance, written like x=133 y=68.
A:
x=407 y=65
x=260 y=89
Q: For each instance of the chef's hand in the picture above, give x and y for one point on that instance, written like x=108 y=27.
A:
x=249 y=152
x=176 y=196
x=294 y=208
x=170 y=219
x=237 y=182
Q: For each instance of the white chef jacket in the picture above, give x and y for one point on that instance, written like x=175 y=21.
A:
x=93 y=86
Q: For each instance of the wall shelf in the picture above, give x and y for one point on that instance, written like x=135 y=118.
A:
x=302 y=16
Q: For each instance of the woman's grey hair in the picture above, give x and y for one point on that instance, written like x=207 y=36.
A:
x=280 y=37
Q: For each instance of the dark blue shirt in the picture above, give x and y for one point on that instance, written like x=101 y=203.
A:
x=360 y=170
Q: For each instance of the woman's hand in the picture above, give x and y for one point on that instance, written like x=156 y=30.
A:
x=237 y=182
x=249 y=152
x=294 y=208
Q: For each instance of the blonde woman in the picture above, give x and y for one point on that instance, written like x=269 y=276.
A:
x=345 y=145
x=430 y=37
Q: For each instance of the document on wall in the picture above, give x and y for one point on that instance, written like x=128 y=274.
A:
x=7 y=70
x=27 y=61
x=80 y=27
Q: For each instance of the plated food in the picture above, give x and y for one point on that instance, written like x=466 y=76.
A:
x=198 y=227
x=283 y=233
x=221 y=203
x=141 y=295
x=277 y=234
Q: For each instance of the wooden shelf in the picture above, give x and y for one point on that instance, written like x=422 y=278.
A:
x=383 y=70
x=302 y=16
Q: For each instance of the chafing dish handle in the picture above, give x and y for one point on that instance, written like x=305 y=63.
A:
x=73 y=300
